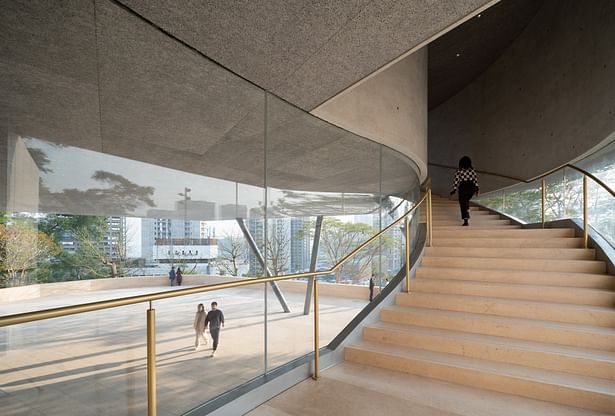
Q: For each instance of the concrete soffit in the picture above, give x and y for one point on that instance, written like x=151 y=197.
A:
x=322 y=110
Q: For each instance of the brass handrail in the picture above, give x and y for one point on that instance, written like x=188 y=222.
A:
x=541 y=176
x=543 y=194
x=26 y=317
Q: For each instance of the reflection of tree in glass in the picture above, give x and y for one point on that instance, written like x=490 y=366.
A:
x=299 y=204
x=120 y=197
x=40 y=159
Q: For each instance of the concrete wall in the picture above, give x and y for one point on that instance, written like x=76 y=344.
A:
x=548 y=98
x=390 y=108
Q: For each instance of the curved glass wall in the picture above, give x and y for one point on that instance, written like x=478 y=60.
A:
x=564 y=195
x=123 y=153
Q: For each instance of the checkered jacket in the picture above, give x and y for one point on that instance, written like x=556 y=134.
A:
x=463 y=175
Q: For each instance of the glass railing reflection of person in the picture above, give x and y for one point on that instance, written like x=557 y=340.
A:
x=466 y=183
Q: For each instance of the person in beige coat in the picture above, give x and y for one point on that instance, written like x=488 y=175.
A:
x=199 y=327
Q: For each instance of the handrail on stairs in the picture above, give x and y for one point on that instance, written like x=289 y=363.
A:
x=542 y=177
x=26 y=317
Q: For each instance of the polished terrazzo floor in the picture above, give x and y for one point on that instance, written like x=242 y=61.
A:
x=94 y=363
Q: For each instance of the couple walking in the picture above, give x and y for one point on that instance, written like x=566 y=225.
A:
x=214 y=318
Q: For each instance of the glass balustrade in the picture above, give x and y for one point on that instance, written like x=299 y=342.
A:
x=564 y=194
x=126 y=154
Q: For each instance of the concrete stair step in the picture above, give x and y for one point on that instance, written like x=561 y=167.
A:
x=472 y=232
x=526 y=309
x=509 y=242
x=546 y=265
x=575 y=335
x=440 y=228
x=506 y=252
x=532 y=292
x=573 y=390
x=581 y=280
x=590 y=363
x=473 y=222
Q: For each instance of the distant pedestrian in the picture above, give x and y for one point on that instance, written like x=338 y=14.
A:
x=172 y=275
x=199 y=327
x=179 y=276
x=467 y=185
x=372 y=283
x=215 y=319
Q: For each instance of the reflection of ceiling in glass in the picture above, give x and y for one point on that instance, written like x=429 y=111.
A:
x=115 y=84
x=79 y=181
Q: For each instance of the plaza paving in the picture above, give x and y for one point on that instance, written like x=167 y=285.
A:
x=94 y=363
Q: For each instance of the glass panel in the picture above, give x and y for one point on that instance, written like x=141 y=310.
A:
x=494 y=200
x=601 y=211
x=90 y=363
x=555 y=204
x=574 y=193
x=189 y=377
x=601 y=164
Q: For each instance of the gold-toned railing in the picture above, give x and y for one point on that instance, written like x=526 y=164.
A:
x=26 y=317
x=543 y=194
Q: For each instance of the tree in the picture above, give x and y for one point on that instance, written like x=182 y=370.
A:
x=278 y=249
x=339 y=238
x=22 y=247
x=232 y=250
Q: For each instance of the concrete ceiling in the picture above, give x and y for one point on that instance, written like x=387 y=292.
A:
x=478 y=42
x=304 y=51
x=92 y=75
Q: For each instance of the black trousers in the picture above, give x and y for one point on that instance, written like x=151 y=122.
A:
x=215 y=335
x=466 y=192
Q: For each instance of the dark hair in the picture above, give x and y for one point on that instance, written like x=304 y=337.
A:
x=465 y=163
x=214 y=303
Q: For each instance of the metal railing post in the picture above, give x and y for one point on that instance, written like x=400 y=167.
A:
x=429 y=219
x=316 y=374
x=585 y=220
x=542 y=202
x=407 y=232
x=151 y=361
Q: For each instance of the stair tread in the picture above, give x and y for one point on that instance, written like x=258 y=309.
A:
x=606 y=356
x=513 y=302
x=505 y=286
x=492 y=271
x=477 y=226
x=470 y=252
x=492 y=259
x=589 y=329
x=574 y=381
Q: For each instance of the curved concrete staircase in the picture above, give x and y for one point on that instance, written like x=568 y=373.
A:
x=518 y=311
